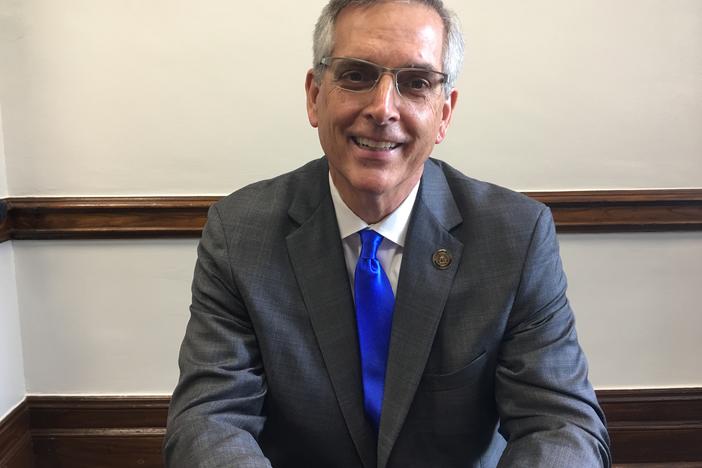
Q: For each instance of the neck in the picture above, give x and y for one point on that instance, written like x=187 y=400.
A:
x=373 y=207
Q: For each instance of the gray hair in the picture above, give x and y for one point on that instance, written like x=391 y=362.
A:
x=323 y=40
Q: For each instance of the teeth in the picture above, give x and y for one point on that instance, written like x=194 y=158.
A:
x=380 y=145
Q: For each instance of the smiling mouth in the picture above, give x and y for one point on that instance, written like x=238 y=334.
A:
x=375 y=145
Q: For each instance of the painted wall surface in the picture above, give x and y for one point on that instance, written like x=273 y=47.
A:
x=164 y=97
x=6 y=59
x=108 y=317
x=636 y=302
x=103 y=316
x=12 y=385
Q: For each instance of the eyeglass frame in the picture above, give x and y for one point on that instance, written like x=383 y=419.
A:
x=326 y=62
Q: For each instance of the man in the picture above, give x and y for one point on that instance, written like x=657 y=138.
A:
x=447 y=341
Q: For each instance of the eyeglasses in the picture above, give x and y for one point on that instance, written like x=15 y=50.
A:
x=361 y=76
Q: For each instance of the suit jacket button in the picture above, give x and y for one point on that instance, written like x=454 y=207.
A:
x=442 y=259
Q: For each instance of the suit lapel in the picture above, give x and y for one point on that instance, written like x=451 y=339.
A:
x=422 y=292
x=318 y=262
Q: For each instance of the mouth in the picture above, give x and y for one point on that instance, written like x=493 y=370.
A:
x=374 y=145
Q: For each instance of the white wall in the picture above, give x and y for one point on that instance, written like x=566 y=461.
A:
x=184 y=97
x=637 y=307
x=12 y=385
x=108 y=316
x=103 y=316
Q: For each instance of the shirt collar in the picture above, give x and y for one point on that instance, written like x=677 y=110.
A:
x=393 y=227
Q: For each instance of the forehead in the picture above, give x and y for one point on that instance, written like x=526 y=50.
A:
x=390 y=33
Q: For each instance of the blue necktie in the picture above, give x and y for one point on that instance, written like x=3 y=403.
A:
x=374 y=306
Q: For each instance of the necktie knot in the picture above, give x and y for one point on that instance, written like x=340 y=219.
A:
x=370 y=241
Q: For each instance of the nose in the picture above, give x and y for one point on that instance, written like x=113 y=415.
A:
x=382 y=105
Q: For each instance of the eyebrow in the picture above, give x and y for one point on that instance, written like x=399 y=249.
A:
x=423 y=66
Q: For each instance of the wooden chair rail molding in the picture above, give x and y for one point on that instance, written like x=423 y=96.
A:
x=103 y=217
x=173 y=217
x=652 y=428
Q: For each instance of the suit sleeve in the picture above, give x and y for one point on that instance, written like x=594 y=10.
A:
x=549 y=414
x=215 y=415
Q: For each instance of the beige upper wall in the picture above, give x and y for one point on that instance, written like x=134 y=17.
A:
x=182 y=97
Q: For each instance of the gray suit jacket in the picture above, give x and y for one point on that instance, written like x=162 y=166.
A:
x=484 y=365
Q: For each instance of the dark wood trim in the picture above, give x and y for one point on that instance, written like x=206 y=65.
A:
x=660 y=427
x=624 y=210
x=98 y=412
x=15 y=439
x=659 y=465
x=657 y=425
x=109 y=432
x=107 y=217
x=174 y=217
x=4 y=221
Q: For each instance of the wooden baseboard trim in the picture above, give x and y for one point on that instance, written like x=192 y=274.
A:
x=656 y=427
x=98 y=412
x=178 y=217
x=110 y=432
x=16 y=449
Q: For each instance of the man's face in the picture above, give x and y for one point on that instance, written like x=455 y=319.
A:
x=377 y=141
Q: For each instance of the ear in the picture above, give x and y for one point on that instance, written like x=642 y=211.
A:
x=446 y=112
x=312 y=91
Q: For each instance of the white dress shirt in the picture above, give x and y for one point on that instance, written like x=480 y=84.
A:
x=393 y=228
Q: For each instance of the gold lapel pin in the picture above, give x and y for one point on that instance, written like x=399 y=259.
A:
x=442 y=259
